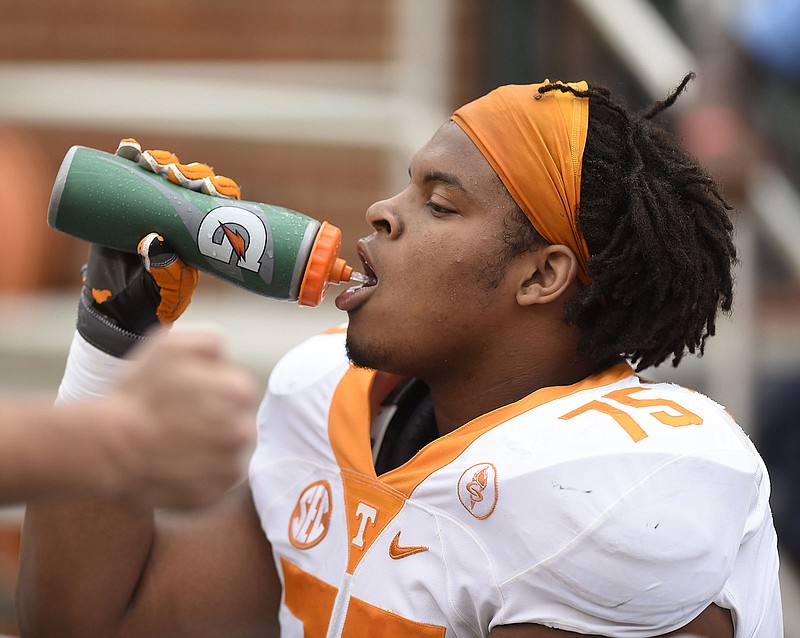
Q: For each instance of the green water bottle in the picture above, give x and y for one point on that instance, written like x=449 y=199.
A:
x=270 y=250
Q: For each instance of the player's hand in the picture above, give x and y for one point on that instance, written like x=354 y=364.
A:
x=174 y=279
x=183 y=422
x=124 y=295
x=195 y=176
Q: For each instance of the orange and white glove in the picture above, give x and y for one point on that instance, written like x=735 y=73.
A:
x=175 y=280
x=124 y=295
x=195 y=176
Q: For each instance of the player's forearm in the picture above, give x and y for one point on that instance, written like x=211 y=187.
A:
x=47 y=452
x=80 y=560
x=80 y=565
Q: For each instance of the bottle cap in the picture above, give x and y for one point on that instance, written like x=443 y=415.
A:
x=324 y=266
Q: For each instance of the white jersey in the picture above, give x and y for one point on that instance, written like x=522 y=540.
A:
x=613 y=507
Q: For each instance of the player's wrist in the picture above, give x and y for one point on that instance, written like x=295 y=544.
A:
x=89 y=371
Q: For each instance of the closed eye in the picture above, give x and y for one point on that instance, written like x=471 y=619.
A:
x=439 y=211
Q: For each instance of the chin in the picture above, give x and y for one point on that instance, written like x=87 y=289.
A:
x=372 y=354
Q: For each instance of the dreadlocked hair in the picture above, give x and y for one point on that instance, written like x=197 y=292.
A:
x=659 y=236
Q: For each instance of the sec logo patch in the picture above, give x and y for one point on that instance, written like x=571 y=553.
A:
x=311 y=516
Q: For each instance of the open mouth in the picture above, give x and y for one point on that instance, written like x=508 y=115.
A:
x=354 y=297
x=369 y=278
x=372 y=278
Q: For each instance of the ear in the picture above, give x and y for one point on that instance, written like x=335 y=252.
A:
x=547 y=273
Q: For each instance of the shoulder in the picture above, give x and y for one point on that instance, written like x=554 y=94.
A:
x=301 y=388
x=618 y=502
x=294 y=414
x=635 y=468
x=307 y=364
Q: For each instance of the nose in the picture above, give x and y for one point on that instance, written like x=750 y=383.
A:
x=382 y=216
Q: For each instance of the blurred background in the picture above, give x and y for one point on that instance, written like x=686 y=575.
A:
x=318 y=106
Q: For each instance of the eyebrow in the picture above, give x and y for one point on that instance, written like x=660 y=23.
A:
x=445 y=178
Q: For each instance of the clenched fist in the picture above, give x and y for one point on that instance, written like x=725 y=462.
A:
x=182 y=419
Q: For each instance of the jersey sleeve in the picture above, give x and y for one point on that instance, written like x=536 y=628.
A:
x=618 y=518
x=641 y=556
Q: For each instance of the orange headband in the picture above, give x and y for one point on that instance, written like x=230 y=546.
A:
x=534 y=143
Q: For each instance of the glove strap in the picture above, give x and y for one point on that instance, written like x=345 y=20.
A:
x=102 y=332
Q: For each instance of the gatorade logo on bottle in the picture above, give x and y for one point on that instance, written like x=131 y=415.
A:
x=227 y=231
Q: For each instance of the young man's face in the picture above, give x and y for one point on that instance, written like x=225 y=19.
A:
x=436 y=252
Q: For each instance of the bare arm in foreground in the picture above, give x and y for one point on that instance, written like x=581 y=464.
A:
x=173 y=431
x=94 y=569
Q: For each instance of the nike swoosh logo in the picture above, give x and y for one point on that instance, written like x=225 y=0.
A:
x=396 y=550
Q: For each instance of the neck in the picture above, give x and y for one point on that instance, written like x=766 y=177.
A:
x=464 y=395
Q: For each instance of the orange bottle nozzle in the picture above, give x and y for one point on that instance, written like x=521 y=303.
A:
x=324 y=266
x=340 y=272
